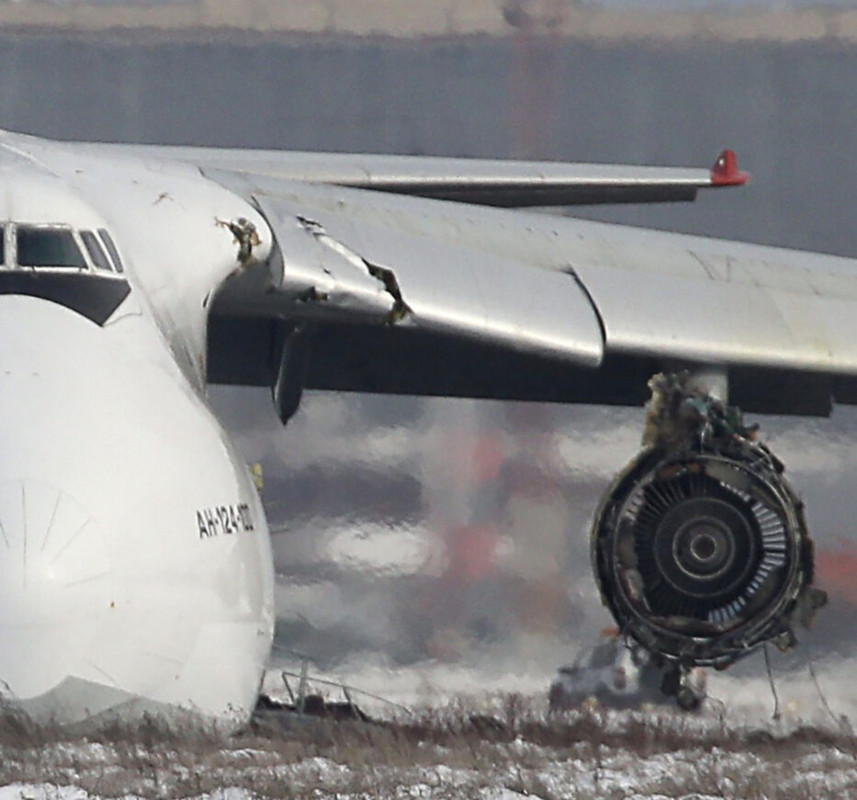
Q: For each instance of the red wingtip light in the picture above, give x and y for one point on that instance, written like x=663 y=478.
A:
x=725 y=171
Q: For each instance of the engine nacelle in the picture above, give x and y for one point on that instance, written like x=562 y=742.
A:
x=700 y=546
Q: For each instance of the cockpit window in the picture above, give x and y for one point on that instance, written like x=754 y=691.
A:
x=48 y=247
x=96 y=251
x=111 y=248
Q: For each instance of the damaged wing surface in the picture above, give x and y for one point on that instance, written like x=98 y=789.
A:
x=354 y=256
x=560 y=309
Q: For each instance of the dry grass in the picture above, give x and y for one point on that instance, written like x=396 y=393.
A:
x=448 y=752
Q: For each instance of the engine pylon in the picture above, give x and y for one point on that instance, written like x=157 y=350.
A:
x=700 y=546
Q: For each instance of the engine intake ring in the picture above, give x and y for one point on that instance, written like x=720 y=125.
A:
x=703 y=556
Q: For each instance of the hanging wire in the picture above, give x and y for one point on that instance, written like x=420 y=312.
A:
x=838 y=721
x=776 y=715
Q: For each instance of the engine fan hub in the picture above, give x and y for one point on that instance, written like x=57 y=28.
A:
x=705 y=547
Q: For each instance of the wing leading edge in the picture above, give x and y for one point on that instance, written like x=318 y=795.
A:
x=484 y=181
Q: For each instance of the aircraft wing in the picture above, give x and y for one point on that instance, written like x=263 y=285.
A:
x=484 y=181
x=406 y=295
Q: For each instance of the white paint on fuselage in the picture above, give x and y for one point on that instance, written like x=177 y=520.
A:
x=113 y=599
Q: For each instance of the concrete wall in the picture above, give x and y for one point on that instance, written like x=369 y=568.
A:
x=417 y=18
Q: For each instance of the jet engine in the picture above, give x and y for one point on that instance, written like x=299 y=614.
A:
x=700 y=546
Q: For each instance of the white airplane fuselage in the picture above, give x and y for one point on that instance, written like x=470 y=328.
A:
x=135 y=563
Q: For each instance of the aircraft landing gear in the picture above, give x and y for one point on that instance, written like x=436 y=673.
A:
x=688 y=686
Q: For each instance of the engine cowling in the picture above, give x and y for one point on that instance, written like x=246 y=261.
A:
x=700 y=545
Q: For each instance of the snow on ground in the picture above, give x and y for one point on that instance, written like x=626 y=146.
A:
x=490 y=746
x=532 y=771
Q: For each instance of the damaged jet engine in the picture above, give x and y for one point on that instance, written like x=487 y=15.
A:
x=700 y=546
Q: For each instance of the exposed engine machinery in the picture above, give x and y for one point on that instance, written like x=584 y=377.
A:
x=700 y=546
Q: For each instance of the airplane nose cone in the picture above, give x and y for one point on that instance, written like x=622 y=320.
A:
x=113 y=599
x=54 y=585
